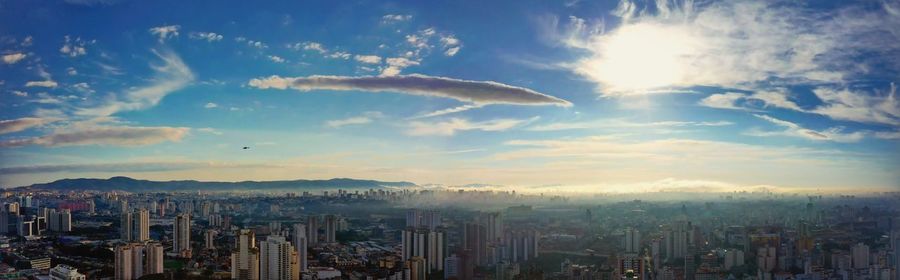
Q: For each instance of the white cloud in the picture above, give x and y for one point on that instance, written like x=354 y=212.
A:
x=71 y=71
x=276 y=59
x=453 y=125
x=451 y=51
x=365 y=118
x=370 y=59
x=165 y=32
x=47 y=84
x=726 y=100
x=795 y=130
x=397 y=64
x=208 y=36
x=309 y=46
x=392 y=18
x=341 y=55
x=475 y=92
x=83 y=88
x=73 y=47
x=170 y=76
x=20 y=93
x=210 y=105
x=13 y=58
x=891 y=135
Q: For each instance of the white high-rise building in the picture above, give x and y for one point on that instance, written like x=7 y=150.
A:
x=140 y=230
x=182 y=238
x=245 y=262
x=632 y=240
x=276 y=259
x=429 y=245
x=123 y=263
x=300 y=241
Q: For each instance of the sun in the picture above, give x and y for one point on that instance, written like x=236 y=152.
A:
x=640 y=57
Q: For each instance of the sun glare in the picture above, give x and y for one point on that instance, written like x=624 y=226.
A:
x=640 y=57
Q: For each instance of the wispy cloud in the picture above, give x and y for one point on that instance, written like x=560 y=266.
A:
x=620 y=123
x=74 y=47
x=365 y=118
x=475 y=92
x=836 y=103
x=207 y=36
x=165 y=32
x=730 y=44
x=453 y=125
x=394 y=18
x=171 y=76
x=20 y=124
x=795 y=130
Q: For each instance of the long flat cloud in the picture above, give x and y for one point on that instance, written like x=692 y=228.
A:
x=123 y=167
x=104 y=135
x=476 y=92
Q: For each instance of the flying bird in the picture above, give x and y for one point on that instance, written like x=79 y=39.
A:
x=246 y=148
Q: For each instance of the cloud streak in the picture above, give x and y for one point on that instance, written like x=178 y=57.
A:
x=20 y=124
x=103 y=135
x=454 y=125
x=475 y=92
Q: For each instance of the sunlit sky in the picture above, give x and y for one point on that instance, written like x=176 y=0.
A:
x=565 y=95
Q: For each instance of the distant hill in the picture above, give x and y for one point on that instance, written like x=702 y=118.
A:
x=135 y=185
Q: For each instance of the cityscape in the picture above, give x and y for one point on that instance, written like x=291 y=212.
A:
x=450 y=139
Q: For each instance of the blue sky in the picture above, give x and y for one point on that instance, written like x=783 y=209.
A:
x=545 y=95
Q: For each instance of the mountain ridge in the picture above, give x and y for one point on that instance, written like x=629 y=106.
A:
x=122 y=183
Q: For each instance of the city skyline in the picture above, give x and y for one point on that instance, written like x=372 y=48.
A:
x=567 y=96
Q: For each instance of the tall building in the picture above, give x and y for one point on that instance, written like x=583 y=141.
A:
x=65 y=272
x=475 y=241
x=125 y=226
x=733 y=258
x=418 y=269
x=330 y=227
x=300 y=241
x=245 y=262
x=155 y=256
x=140 y=230
x=123 y=263
x=182 y=235
x=276 y=258
x=631 y=266
x=860 y=256
x=312 y=230
x=426 y=244
x=209 y=239
x=60 y=221
x=632 y=240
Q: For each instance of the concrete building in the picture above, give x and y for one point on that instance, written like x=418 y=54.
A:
x=182 y=235
x=59 y=221
x=65 y=272
x=632 y=240
x=300 y=242
x=140 y=230
x=276 y=259
x=312 y=230
x=330 y=228
x=245 y=262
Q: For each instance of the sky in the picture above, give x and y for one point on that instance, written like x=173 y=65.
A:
x=580 y=96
